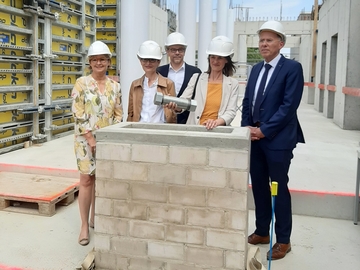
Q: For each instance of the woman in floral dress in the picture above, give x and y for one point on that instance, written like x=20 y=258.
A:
x=96 y=104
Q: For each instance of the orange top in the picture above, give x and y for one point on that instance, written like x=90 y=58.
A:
x=213 y=101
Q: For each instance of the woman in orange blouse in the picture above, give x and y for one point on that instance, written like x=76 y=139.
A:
x=216 y=93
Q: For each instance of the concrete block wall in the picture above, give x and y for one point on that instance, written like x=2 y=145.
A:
x=164 y=203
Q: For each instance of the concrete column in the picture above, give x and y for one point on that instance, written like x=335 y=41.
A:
x=130 y=68
x=230 y=24
x=242 y=56
x=187 y=26
x=205 y=32
x=221 y=17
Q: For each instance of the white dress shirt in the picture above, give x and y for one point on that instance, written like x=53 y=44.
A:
x=151 y=113
x=273 y=64
x=177 y=76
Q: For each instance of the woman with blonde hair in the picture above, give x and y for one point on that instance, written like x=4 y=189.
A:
x=96 y=104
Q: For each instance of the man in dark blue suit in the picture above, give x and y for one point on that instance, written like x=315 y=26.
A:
x=270 y=112
x=178 y=71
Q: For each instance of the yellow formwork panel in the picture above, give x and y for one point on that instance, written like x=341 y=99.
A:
x=12 y=3
x=13 y=132
x=105 y=11
x=89 y=9
x=67 y=17
x=65 y=68
x=63 y=79
x=106 y=23
x=61 y=94
x=111 y=36
x=88 y=41
x=63 y=46
x=88 y=24
x=112 y=47
x=14 y=39
x=12 y=79
x=105 y=2
x=65 y=32
x=13 y=97
x=13 y=20
x=11 y=116
x=111 y=72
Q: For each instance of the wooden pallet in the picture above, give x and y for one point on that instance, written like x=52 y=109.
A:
x=35 y=194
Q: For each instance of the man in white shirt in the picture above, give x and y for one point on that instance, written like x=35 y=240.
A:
x=178 y=71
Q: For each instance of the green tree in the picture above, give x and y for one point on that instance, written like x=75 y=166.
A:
x=253 y=56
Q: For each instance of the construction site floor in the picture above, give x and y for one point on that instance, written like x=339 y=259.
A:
x=326 y=163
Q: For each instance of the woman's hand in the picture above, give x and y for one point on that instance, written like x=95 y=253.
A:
x=91 y=141
x=210 y=123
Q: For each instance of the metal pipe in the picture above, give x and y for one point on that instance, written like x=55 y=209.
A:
x=182 y=103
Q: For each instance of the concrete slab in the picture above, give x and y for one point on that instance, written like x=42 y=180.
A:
x=56 y=158
x=42 y=243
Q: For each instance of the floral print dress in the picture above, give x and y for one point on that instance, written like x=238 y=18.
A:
x=93 y=110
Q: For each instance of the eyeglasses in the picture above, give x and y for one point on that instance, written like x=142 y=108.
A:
x=174 y=50
x=101 y=60
x=143 y=60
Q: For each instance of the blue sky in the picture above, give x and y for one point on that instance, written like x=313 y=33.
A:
x=271 y=8
x=265 y=9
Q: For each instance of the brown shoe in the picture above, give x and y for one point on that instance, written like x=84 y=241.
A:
x=279 y=251
x=255 y=239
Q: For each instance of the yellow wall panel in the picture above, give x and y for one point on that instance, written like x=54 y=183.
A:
x=88 y=41
x=14 y=39
x=106 y=23
x=105 y=11
x=13 y=20
x=13 y=79
x=67 y=18
x=106 y=2
x=89 y=9
x=12 y=3
x=61 y=94
x=14 y=97
x=63 y=79
x=11 y=116
x=106 y=35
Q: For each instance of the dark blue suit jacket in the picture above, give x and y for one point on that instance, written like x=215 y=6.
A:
x=189 y=71
x=278 y=119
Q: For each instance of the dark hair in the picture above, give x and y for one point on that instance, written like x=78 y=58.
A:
x=229 y=68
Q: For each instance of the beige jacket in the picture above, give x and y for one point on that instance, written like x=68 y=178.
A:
x=228 y=103
x=136 y=94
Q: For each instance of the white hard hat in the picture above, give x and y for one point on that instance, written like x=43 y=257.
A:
x=274 y=26
x=221 y=46
x=98 y=48
x=175 y=38
x=150 y=50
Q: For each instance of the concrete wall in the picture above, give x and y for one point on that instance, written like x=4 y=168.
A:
x=158 y=27
x=171 y=197
x=337 y=93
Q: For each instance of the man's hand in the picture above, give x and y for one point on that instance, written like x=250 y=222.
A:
x=172 y=106
x=256 y=133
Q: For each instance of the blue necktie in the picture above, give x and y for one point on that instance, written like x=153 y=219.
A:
x=260 y=94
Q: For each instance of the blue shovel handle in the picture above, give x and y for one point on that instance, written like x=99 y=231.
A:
x=274 y=190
